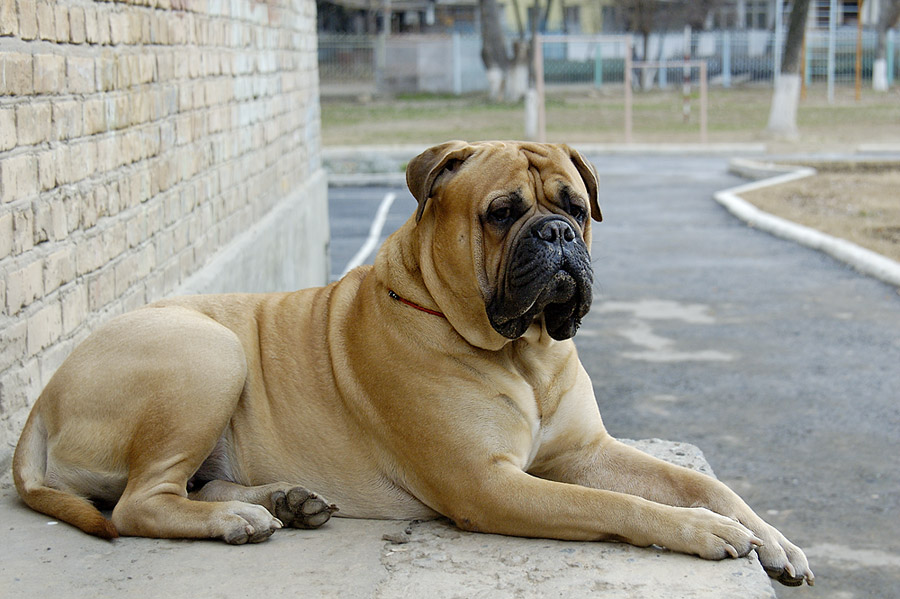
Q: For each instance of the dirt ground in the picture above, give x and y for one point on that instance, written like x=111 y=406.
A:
x=856 y=202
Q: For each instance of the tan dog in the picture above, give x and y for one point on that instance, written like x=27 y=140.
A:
x=443 y=380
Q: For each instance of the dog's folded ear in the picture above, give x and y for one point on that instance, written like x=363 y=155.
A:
x=589 y=175
x=423 y=171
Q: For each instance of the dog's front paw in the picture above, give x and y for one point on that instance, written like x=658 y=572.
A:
x=782 y=560
x=711 y=536
x=247 y=523
x=299 y=508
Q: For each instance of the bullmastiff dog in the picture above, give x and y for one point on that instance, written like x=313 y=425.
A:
x=443 y=380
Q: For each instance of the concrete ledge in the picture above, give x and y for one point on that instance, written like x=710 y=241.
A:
x=863 y=260
x=361 y=558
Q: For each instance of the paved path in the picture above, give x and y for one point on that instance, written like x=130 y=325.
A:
x=780 y=363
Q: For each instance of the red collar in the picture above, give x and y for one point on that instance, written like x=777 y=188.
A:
x=414 y=305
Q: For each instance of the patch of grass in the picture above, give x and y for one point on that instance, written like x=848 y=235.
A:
x=596 y=116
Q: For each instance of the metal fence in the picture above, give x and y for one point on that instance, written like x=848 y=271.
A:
x=452 y=63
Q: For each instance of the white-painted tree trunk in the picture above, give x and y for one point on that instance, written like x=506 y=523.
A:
x=879 y=75
x=495 y=83
x=516 y=82
x=531 y=114
x=783 y=117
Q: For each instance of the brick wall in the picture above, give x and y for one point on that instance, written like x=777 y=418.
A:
x=148 y=147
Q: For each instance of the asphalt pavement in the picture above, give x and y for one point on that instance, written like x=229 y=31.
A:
x=780 y=363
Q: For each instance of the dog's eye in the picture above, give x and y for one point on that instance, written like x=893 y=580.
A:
x=577 y=212
x=500 y=215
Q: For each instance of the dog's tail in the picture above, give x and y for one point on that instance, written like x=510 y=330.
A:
x=29 y=474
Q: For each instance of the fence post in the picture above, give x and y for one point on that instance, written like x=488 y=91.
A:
x=726 y=59
x=598 y=66
x=539 y=87
x=380 y=63
x=456 y=50
x=703 y=102
x=663 y=75
x=832 y=30
x=890 y=57
x=779 y=33
x=628 y=97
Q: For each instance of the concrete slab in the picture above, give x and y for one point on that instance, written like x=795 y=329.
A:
x=359 y=558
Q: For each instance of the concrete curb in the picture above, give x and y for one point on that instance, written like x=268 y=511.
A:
x=385 y=165
x=863 y=260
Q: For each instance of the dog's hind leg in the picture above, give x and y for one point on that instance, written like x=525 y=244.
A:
x=180 y=404
x=295 y=506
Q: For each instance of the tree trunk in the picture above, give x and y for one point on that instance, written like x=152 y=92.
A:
x=507 y=75
x=493 y=48
x=889 y=16
x=783 y=115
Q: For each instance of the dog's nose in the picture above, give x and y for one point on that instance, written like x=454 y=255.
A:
x=554 y=230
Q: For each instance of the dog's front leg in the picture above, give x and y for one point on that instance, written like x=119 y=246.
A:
x=503 y=499
x=582 y=453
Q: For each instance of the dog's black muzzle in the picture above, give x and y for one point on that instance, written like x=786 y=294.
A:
x=549 y=272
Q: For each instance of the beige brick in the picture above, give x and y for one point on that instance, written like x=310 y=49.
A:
x=88 y=254
x=6 y=234
x=80 y=74
x=76 y=25
x=28 y=29
x=33 y=123
x=165 y=66
x=119 y=28
x=113 y=241
x=19 y=387
x=100 y=203
x=14 y=343
x=62 y=22
x=74 y=307
x=47 y=170
x=59 y=269
x=61 y=159
x=9 y=18
x=94 y=116
x=91 y=31
x=24 y=285
x=45 y=20
x=82 y=161
x=7 y=129
x=103 y=26
x=126 y=274
x=49 y=73
x=66 y=120
x=17 y=75
x=18 y=177
x=23 y=230
x=72 y=205
x=101 y=287
x=50 y=220
x=44 y=328
x=106 y=72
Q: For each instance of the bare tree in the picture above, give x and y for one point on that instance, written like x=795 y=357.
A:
x=783 y=115
x=890 y=14
x=507 y=72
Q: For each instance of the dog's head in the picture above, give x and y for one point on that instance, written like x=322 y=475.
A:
x=508 y=227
